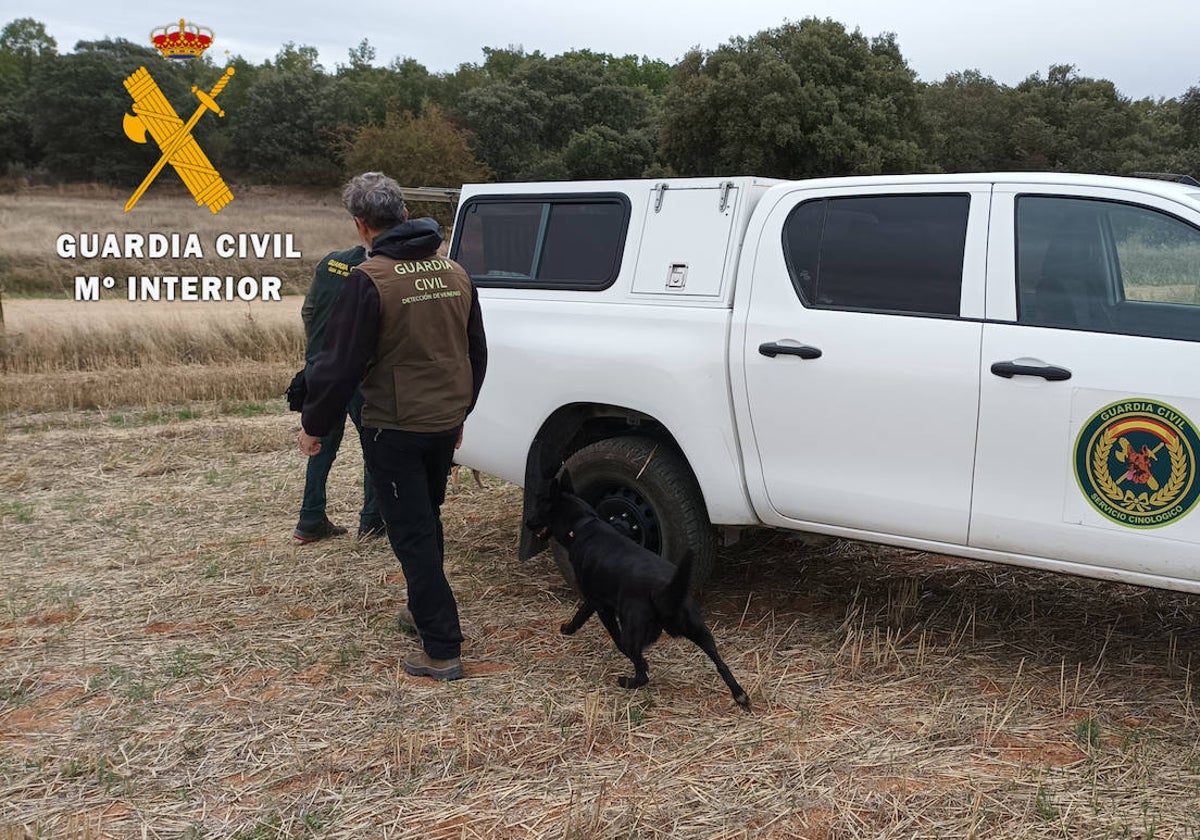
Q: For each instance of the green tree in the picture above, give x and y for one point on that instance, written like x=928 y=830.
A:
x=362 y=94
x=1189 y=115
x=507 y=121
x=968 y=117
x=500 y=64
x=362 y=57
x=410 y=85
x=25 y=51
x=602 y=152
x=357 y=97
x=217 y=135
x=805 y=99
x=1160 y=140
x=1068 y=122
x=651 y=74
x=284 y=132
x=83 y=104
x=293 y=58
x=24 y=43
x=448 y=89
x=424 y=150
x=1167 y=138
x=524 y=121
x=428 y=150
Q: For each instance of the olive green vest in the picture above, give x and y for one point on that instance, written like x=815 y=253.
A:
x=419 y=379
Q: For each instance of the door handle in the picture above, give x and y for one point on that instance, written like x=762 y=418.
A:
x=774 y=349
x=1050 y=373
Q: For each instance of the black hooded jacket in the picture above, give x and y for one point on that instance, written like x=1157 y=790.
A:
x=352 y=335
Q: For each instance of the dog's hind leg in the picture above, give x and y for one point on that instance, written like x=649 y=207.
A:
x=578 y=620
x=700 y=634
x=633 y=641
x=609 y=619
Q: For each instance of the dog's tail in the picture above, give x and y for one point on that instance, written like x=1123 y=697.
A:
x=669 y=599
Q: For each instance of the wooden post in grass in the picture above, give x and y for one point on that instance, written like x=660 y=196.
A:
x=446 y=195
x=3 y=335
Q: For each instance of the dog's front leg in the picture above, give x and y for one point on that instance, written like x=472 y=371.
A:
x=581 y=616
x=641 y=671
x=614 y=627
x=641 y=674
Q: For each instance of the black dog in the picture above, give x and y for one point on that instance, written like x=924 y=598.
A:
x=636 y=593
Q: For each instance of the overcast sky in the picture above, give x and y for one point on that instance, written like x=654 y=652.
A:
x=1146 y=48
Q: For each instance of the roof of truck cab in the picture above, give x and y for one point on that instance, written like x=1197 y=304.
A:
x=621 y=185
x=1143 y=184
x=1043 y=180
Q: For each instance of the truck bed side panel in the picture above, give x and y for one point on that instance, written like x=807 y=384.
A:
x=668 y=362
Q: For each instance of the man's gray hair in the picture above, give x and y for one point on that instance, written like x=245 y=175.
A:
x=376 y=199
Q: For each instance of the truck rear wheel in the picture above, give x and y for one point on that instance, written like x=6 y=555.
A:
x=645 y=490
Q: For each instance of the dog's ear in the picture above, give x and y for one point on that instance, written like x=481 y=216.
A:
x=564 y=483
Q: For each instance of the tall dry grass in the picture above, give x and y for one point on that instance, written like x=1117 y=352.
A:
x=68 y=355
x=31 y=222
x=59 y=353
x=48 y=337
x=150 y=387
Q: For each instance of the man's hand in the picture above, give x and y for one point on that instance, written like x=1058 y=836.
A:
x=459 y=444
x=309 y=445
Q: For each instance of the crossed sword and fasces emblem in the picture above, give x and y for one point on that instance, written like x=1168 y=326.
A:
x=153 y=113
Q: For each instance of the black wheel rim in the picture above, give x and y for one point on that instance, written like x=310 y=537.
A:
x=629 y=512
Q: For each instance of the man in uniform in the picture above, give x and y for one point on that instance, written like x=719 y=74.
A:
x=314 y=524
x=407 y=330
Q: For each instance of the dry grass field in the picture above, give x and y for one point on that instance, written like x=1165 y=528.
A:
x=59 y=352
x=31 y=222
x=66 y=354
x=173 y=666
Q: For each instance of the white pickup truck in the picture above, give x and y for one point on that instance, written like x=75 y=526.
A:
x=999 y=366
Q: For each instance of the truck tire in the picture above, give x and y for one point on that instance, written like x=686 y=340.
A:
x=647 y=492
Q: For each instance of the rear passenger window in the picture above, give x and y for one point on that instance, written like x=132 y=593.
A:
x=1107 y=266
x=896 y=253
x=547 y=242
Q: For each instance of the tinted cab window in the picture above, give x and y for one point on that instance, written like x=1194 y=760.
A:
x=570 y=242
x=1107 y=266
x=880 y=253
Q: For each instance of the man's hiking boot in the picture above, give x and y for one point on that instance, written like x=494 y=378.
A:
x=420 y=664
x=307 y=532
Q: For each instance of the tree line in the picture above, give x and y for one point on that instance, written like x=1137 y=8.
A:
x=804 y=99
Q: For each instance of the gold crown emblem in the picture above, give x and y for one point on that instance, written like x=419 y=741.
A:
x=181 y=42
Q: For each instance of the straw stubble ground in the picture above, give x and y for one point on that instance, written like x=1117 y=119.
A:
x=172 y=666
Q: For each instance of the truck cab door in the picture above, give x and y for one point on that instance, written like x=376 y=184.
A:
x=860 y=355
x=1089 y=395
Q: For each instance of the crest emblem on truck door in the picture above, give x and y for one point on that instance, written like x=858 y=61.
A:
x=1135 y=462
